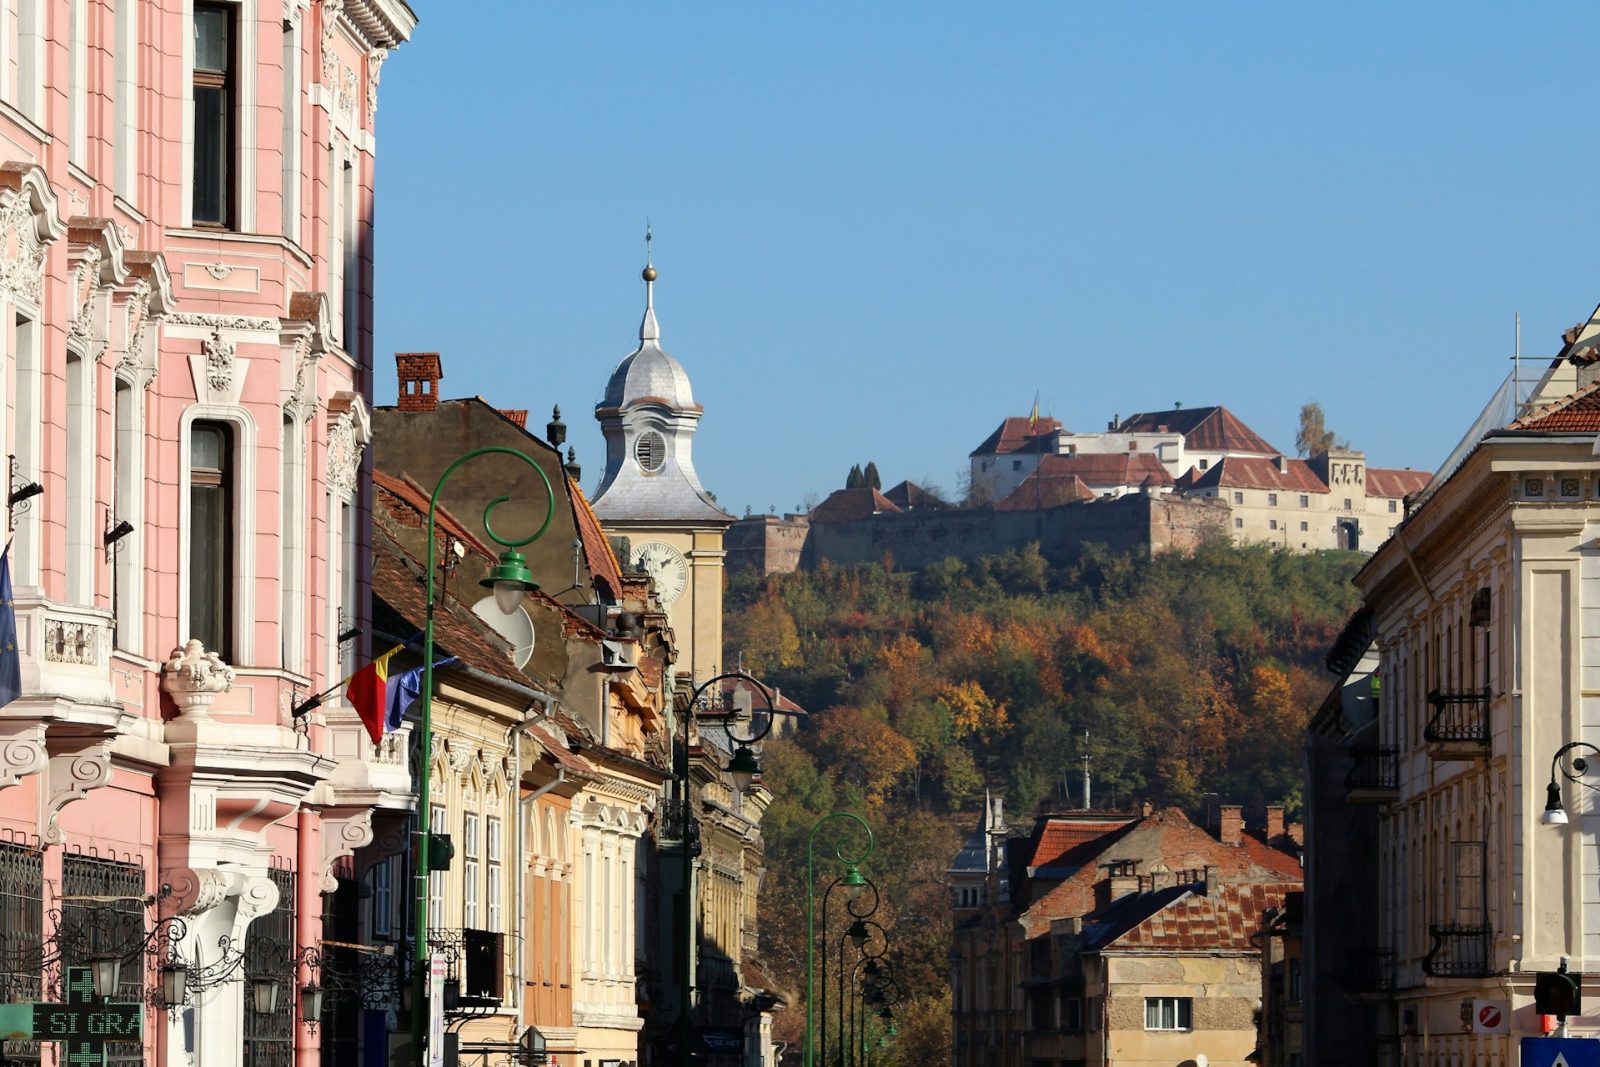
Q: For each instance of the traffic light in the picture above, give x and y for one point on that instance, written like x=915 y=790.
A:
x=441 y=852
x=1558 y=993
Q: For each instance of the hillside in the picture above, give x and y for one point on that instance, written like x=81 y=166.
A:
x=1192 y=674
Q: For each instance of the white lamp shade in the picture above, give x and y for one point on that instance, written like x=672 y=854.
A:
x=107 y=976
x=508 y=596
x=174 y=984
x=264 y=995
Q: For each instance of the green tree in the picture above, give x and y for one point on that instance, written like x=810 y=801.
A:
x=870 y=474
x=855 y=479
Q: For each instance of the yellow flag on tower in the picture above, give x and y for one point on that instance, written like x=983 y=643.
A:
x=1033 y=417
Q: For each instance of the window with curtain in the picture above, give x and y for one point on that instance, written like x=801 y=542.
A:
x=211 y=527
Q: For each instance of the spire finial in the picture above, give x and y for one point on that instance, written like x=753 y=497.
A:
x=648 y=330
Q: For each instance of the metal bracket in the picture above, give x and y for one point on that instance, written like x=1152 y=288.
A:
x=19 y=494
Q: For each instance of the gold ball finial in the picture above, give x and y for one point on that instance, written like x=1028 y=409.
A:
x=649 y=274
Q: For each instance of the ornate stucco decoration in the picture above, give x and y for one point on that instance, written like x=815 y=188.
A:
x=193 y=677
x=135 y=315
x=330 y=26
x=342 y=835
x=347 y=92
x=306 y=335
x=219 y=361
x=348 y=435
x=375 y=60
x=22 y=753
x=226 y=322
x=193 y=891
x=72 y=776
x=29 y=221
x=292 y=10
x=148 y=300
x=85 y=278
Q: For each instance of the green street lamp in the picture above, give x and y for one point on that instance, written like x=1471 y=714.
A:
x=510 y=581
x=743 y=768
x=854 y=884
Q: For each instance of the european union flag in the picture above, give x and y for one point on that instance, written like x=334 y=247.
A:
x=10 y=657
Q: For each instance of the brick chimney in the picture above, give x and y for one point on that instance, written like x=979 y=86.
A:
x=1146 y=809
x=517 y=415
x=1274 y=823
x=1122 y=878
x=1230 y=824
x=1283 y=464
x=420 y=373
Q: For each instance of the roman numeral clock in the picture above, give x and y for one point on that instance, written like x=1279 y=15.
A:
x=666 y=565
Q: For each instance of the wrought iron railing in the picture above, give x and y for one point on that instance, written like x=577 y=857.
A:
x=1460 y=716
x=1460 y=950
x=1373 y=770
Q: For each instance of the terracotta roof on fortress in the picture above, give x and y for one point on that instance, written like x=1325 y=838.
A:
x=1015 y=434
x=1388 y=482
x=850 y=505
x=1578 y=412
x=1254 y=472
x=1045 y=491
x=1212 y=429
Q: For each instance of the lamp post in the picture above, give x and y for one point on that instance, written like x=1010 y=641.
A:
x=1573 y=771
x=742 y=768
x=853 y=884
x=856 y=933
x=510 y=581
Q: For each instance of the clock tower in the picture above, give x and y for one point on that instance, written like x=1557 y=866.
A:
x=651 y=494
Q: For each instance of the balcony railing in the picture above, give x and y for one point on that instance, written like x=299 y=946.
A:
x=1459 y=728
x=1375 y=775
x=1373 y=971
x=1459 y=951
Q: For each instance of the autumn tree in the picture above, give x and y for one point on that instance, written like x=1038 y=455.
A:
x=1314 y=436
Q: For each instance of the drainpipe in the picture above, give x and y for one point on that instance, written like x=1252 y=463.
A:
x=306 y=1048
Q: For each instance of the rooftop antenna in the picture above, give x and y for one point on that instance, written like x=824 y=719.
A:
x=1086 y=804
x=1516 y=369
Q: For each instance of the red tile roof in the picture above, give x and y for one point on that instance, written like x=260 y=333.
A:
x=1252 y=472
x=1057 y=837
x=1166 y=837
x=850 y=505
x=1221 y=919
x=1037 y=492
x=1213 y=429
x=602 y=560
x=1063 y=479
x=1577 y=412
x=1015 y=434
x=1388 y=482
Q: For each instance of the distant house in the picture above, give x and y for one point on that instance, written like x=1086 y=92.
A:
x=1112 y=937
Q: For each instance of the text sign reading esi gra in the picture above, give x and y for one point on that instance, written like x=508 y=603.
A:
x=84 y=1024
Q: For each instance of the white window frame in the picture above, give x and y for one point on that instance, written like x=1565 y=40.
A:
x=291 y=543
x=438 y=823
x=82 y=416
x=244 y=444
x=246 y=30
x=30 y=60
x=494 y=849
x=27 y=443
x=127 y=495
x=471 y=870
x=77 y=82
x=293 y=100
x=383 y=897
x=1171 y=1014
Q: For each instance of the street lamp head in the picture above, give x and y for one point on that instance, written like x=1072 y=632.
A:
x=107 y=975
x=857 y=933
x=264 y=994
x=853 y=883
x=743 y=767
x=1554 y=813
x=511 y=581
x=311 y=1003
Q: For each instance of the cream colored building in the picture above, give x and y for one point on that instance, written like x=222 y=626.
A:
x=1486 y=615
x=651 y=495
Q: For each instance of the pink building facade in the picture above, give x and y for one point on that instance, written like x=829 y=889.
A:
x=185 y=337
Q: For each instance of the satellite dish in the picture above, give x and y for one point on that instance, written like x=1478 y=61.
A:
x=516 y=628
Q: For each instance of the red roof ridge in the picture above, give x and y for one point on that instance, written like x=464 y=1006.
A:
x=1555 y=407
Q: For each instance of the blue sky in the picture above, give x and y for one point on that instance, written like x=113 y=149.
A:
x=881 y=227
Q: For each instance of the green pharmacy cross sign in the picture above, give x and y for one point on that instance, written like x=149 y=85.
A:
x=83 y=1024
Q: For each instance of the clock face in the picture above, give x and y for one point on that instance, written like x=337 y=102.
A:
x=666 y=565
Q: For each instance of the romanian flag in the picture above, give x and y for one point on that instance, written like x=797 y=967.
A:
x=368 y=692
x=1033 y=416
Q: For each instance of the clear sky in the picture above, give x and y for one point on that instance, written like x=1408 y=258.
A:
x=881 y=227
